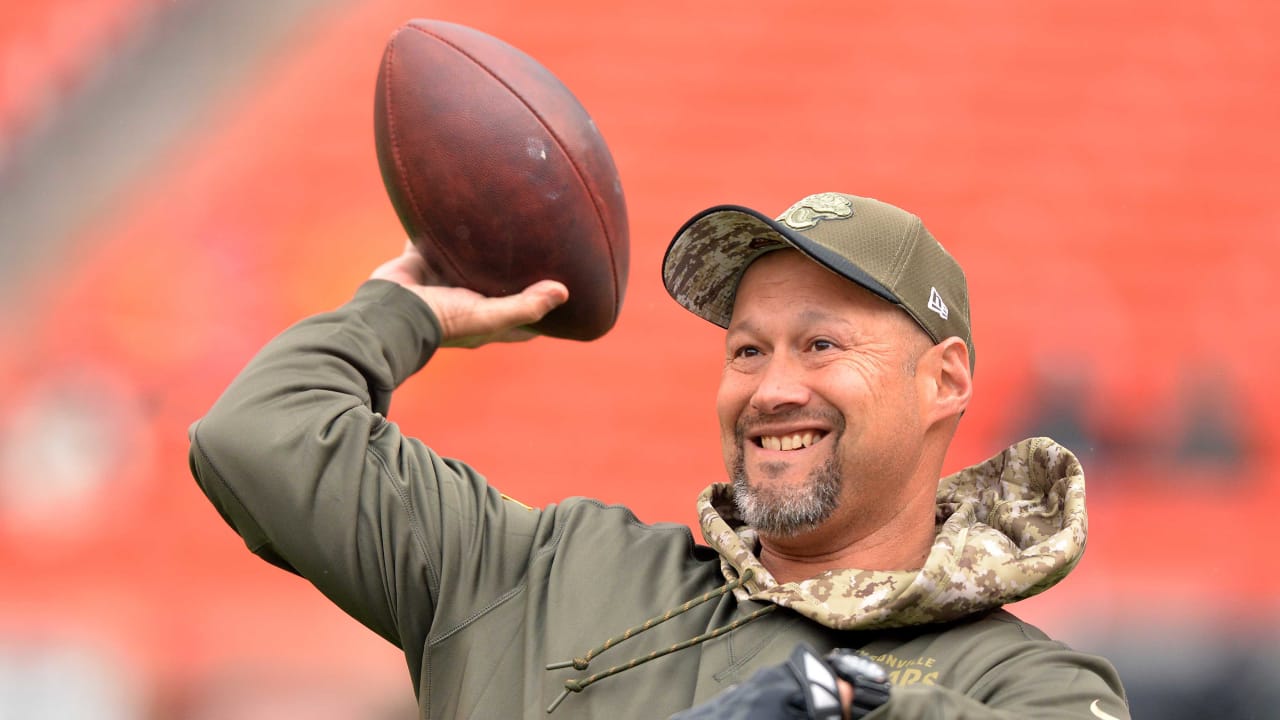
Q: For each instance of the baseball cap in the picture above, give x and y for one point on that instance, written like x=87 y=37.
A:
x=883 y=248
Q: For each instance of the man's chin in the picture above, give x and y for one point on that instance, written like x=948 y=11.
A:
x=783 y=499
x=779 y=510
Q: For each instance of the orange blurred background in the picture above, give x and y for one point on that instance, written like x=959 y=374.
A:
x=179 y=181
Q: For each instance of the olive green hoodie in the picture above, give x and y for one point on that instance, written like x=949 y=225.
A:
x=636 y=621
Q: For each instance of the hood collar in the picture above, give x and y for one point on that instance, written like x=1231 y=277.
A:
x=1007 y=529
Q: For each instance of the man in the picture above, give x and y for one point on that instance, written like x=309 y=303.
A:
x=848 y=364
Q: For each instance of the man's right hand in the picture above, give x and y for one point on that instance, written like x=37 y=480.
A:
x=467 y=318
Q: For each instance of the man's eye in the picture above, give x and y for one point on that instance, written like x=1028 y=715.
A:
x=823 y=345
x=746 y=351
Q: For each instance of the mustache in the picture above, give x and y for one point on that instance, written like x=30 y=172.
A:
x=825 y=416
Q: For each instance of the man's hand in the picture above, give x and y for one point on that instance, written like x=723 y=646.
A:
x=805 y=687
x=467 y=318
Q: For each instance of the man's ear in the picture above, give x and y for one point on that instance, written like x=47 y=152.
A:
x=947 y=381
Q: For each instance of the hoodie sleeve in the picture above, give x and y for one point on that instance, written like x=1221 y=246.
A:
x=1042 y=680
x=298 y=457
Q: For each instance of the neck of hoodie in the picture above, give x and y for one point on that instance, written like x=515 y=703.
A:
x=1005 y=530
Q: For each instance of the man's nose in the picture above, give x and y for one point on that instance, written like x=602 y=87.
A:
x=782 y=385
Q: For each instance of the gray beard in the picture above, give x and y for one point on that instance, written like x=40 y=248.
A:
x=786 y=512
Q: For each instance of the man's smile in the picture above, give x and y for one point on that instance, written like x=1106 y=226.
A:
x=789 y=441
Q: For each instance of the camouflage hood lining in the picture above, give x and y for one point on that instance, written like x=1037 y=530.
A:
x=1008 y=528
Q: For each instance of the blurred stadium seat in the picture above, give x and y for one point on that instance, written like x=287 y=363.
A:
x=48 y=49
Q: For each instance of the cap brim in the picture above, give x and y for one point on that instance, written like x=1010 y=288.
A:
x=706 y=259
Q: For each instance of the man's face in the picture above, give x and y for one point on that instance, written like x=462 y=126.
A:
x=818 y=405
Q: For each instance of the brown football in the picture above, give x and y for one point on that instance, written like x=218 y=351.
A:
x=499 y=175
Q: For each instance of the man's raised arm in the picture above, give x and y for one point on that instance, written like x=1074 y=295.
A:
x=298 y=456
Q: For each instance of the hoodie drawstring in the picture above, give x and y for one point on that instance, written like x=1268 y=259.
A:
x=581 y=663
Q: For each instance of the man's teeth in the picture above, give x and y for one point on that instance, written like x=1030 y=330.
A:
x=789 y=442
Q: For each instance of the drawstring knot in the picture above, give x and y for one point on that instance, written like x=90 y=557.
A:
x=576 y=664
x=581 y=663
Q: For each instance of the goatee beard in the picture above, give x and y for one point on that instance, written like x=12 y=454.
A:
x=786 y=511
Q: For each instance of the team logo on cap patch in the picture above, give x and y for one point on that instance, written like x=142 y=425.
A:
x=816 y=208
x=936 y=304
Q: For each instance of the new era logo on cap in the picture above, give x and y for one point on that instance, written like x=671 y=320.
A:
x=936 y=304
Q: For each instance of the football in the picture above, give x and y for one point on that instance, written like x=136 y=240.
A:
x=498 y=174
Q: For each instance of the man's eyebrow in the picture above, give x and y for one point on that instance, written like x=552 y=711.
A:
x=742 y=326
x=811 y=316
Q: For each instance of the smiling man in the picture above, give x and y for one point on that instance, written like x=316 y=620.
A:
x=848 y=364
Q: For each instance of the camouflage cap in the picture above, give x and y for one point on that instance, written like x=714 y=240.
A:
x=876 y=245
